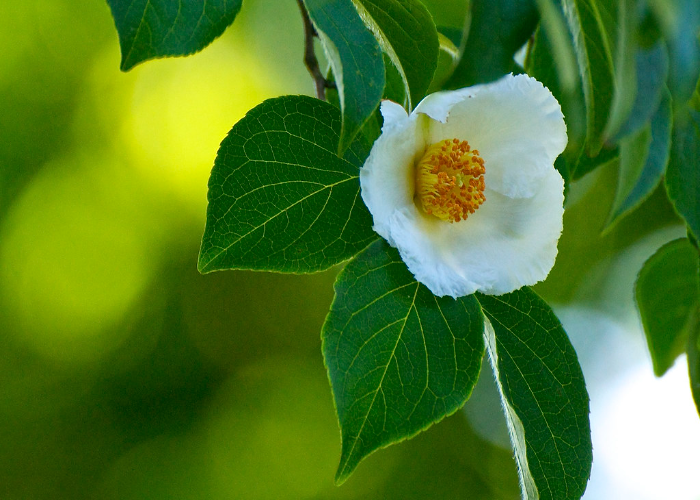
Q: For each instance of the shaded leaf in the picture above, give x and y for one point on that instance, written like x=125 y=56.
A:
x=541 y=65
x=498 y=29
x=591 y=21
x=643 y=160
x=356 y=59
x=399 y=359
x=559 y=43
x=280 y=199
x=447 y=61
x=543 y=394
x=682 y=173
x=651 y=69
x=693 y=350
x=667 y=296
x=680 y=23
x=407 y=34
x=625 y=65
x=159 y=28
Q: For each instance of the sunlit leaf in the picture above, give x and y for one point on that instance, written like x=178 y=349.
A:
x=643 y=160
x=280 y=199
x=159 y=28
x=407 y=34
x=497 y=30
x=591 y=21
x=356 y=59
x=399 y=359
x=667 y=297
x=543 y=394
x=682 y=173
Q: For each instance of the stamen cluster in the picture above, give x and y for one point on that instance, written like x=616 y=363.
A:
x=450 y=180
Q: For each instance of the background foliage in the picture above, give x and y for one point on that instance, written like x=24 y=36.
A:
x=126 y=374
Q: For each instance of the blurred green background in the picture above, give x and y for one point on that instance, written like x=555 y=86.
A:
x=126 y=374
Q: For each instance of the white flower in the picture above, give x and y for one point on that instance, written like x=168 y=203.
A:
x=465 y=186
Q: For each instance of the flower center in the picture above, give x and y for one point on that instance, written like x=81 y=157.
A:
x=450 y=180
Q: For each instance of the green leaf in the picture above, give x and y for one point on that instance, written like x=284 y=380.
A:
x=160 y=28
x=591 y=21
x=651 y=69
x=643 y=160
x=356 y=60
x=681 y=25
x=498 y=29
x=694 y=362
x=625 y=65
x=559 y=44
x=447 y=61
x=682 y=173
x=667 y=296
x=542 y=65
x=407 y=34
x=280 y=199
x=543 y=394
x=399 y=359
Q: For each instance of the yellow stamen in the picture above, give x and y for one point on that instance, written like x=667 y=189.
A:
x=450 y=180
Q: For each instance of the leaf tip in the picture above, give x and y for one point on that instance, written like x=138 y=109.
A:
x=343 y=473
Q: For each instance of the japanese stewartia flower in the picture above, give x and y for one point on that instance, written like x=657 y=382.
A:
x=465 y=186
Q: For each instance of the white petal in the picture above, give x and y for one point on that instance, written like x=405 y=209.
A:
x=508 y=243
x=387 y=177
x=392 y=113
x=437 y=105
x=515 y=123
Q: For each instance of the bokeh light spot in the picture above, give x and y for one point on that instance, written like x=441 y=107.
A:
x=71 y=263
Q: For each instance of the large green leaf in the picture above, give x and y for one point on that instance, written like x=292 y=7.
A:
x=591 y=22
x=543 y=394
x=356 y=59
x=158 y=28
x=280 y=199
x=406 y=32
x=667 y=297
x=682 y=173
x=643 y=159
x=498 y=29
x=399 y=359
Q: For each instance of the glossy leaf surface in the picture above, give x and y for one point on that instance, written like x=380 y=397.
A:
x=543 y=393
x=497 y=30
x=356 y=59
x=280 y=198
x=590 y=22
x=399 y=359
x=407 y=34
x=159 y=28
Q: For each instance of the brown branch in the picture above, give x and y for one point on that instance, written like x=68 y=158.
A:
x=310 y=56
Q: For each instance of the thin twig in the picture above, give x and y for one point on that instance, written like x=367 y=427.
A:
x=310 y=56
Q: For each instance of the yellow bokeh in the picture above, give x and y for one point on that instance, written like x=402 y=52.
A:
x=74 y=257
x=181 y=109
